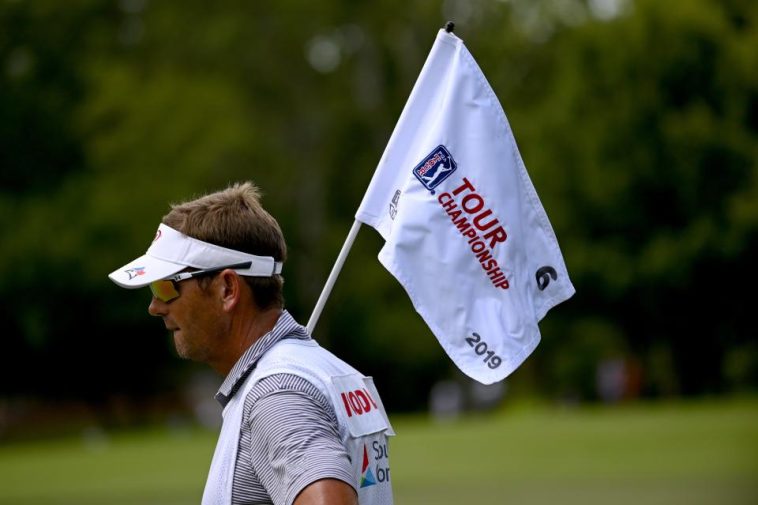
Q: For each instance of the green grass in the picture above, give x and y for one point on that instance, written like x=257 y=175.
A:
x=681 y=453
x=670 y=454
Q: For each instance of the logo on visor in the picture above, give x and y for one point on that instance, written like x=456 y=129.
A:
x=367 y=476
x=135 y=272
x=435 y=168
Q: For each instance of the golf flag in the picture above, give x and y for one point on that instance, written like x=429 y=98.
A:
x=464 y=230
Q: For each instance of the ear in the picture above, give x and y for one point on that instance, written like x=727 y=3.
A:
x=229 y=289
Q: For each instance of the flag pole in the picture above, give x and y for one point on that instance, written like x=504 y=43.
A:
x=337 y=268
x=333 y=276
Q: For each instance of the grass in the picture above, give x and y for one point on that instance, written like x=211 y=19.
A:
x=668 y=454
x=679 y=453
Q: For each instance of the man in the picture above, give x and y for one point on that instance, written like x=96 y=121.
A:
x=300 y=426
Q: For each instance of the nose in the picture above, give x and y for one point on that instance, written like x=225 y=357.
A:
x=157 y=307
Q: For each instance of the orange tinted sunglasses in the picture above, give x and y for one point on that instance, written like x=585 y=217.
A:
x=167 y=289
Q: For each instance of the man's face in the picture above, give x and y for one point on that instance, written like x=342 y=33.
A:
x=194 y=320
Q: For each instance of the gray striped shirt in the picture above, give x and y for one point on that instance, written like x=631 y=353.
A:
x=289 y=436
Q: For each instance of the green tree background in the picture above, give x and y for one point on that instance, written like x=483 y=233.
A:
x=637 y=120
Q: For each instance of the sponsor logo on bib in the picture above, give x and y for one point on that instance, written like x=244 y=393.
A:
x=379 y=471
x=358 y=402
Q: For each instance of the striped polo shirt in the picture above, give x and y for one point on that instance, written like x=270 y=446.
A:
x=289 y=436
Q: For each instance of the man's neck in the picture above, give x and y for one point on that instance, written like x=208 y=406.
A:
x=244 y=331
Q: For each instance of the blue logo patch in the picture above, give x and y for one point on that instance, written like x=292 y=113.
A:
x=435 y=168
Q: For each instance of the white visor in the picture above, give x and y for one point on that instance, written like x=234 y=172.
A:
x=172 y=251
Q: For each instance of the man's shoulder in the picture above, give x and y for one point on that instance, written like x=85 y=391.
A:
x=301 y=357
x=288 y=389
x=283 y=383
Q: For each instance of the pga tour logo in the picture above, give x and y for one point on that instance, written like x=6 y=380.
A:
x=435 y=168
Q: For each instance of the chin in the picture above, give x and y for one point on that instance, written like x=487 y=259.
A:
x=186 y=352
x=181 y=349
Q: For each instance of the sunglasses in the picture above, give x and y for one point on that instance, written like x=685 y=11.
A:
x=167 y=289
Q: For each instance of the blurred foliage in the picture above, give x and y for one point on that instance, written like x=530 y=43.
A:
x=638 y=122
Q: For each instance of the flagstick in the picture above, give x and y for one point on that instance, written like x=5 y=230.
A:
x=337 y=268
x=333 y=276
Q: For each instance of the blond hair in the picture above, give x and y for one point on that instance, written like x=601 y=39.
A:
x=234 y=218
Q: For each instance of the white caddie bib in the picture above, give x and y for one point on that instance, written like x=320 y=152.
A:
x=363 y=423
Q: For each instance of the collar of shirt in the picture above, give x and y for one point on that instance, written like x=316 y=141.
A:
x=285 y=327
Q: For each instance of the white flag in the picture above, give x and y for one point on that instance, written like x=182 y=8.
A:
x=465 y=232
